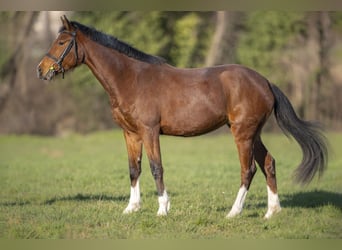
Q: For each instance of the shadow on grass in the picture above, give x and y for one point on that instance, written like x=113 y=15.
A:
x=87 y=197
x=76 y=198
x=14 y=203
x=312 y=199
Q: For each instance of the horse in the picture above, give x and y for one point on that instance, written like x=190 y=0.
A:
x=150 y=97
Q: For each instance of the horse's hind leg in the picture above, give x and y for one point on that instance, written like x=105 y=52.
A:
x=244 y=135
x=267 y=166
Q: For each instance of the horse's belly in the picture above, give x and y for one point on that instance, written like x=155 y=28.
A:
x=192 y=123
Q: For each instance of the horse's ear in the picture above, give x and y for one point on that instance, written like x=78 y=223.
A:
x=66 y=22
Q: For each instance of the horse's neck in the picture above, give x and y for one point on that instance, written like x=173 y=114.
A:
x=109 y=67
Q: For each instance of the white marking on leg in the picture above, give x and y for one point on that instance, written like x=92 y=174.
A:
x=273 y=203
x=164 y=204
x=239 y=201
x=134 y=200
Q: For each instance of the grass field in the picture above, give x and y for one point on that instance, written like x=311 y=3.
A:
x=77 y=187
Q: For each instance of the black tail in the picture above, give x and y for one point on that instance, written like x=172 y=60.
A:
x=308 y=135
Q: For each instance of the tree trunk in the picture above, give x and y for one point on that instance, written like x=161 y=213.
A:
x=322 y=77
x=10 y=71
x=317 y=30
x=222 y=49
x=221 y=26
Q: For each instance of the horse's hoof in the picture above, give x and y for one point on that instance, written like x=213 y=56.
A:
x=163 y=209
x=161 y=213
x=272 y=211
x=131 y=208
x=233 y=213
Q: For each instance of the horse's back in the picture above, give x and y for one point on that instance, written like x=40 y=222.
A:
x=232 y=83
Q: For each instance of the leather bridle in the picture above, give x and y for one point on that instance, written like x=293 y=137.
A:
x=59 y=60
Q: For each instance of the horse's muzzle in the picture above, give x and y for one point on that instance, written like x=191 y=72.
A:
x=48 y=76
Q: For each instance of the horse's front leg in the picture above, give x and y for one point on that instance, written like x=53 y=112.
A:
x=152 y=147
x=134 y=149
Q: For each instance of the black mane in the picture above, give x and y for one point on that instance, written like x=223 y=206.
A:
x=114 y=43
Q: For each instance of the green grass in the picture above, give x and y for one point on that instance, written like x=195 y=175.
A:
x=77 y=187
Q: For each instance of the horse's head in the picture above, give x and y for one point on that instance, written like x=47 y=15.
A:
x=63 y=54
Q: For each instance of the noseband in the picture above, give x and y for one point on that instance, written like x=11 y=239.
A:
x=59 y=60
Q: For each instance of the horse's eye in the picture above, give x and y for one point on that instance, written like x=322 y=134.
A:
x=61 y=43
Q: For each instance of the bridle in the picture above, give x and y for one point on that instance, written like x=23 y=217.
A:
x=59 y=60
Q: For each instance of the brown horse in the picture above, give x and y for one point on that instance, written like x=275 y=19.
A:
x=149 y=97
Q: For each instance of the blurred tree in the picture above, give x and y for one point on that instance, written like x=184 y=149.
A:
x=14 y=56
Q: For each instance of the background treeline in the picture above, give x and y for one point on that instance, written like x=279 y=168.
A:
x=299 y=51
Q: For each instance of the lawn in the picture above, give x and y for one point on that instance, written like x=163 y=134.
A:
x=76 y=187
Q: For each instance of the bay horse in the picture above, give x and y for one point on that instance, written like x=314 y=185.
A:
x=150 y=98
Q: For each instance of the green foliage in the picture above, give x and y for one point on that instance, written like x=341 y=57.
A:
x=264 y=39
x=181 y=37
x=185 y=39
x=140 y=29
x=77 y=187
